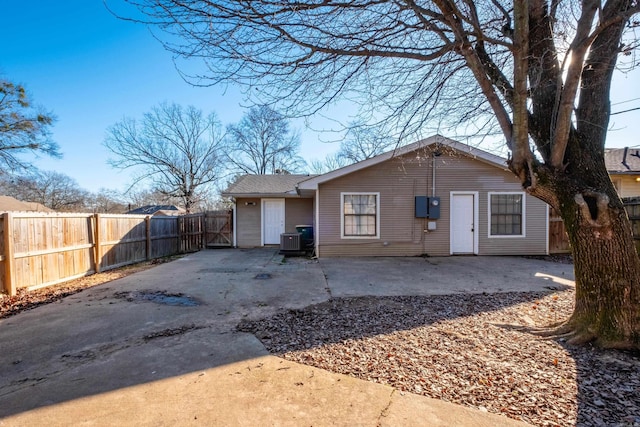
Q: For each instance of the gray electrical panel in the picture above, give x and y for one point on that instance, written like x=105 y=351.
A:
x=422 y=207
x=427 y=207
x=434 y=207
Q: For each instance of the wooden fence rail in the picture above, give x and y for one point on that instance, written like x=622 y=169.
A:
x=559 y=241
x=41 y=249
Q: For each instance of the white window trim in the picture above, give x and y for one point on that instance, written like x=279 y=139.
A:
x=360 y=193
x=524 y=215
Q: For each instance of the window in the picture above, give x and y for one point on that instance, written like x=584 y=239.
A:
x=506 y=214
x=360 y=215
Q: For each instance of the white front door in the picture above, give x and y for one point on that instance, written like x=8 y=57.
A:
x=463 y=227
x=272 y=221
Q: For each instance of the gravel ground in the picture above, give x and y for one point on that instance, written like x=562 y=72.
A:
x=461 y=349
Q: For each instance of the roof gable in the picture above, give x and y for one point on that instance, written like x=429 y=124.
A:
x=265 y=185
x=467 y=150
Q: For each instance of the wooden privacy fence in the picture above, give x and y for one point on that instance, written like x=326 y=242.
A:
x=218 y=225
x=632 y=205
x=38 y=249
x=559 y=241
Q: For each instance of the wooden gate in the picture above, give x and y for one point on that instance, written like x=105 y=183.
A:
x=219 y=228
x=558 y=239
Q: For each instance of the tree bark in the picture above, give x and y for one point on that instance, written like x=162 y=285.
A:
x=606 y=264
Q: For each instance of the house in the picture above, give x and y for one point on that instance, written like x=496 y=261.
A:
x=159 y=210
x=623 y=165
x=266 y=206
x=8 y=203
x=434 y=197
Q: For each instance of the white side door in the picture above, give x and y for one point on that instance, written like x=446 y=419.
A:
x=272 y=221
x=463 y=223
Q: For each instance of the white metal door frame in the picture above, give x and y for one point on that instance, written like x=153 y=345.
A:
x=265 y=227
x=454 y=228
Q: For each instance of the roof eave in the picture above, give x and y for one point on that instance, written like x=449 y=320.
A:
x=496 y=161
x=288 y=194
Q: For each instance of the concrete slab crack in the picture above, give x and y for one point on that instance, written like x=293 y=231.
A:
x=385 y=410
x=326 y=285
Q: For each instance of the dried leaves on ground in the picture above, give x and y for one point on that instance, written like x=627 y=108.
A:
x=26 y=300
x=464 y=349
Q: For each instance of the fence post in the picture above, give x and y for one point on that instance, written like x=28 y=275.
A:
x=9 y=284
x=180 y=234
x=203 y=226
x=147 y=225
x=97 y=242
x=204 y=230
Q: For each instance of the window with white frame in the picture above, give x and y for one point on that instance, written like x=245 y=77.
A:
x=360 y=215
x=506 y=214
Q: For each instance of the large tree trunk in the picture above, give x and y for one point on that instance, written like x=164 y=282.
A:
x=607 y=271
x=606 y=264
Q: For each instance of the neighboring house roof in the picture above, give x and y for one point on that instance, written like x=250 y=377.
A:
x=622 y=160
x=265 y=186
x=8 y=203
x=157 y=209
x=312 y=183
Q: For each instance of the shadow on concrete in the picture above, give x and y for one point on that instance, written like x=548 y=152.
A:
x=112 y=336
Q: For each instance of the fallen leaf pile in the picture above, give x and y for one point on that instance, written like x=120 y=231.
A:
x=465 y=349
x=26 y=300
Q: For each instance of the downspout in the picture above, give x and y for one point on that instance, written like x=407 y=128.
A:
x=433 y=175
x=235 y=223
x=316 y=228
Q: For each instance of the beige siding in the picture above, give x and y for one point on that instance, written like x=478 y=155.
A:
x=401 y=234
x=535 y=240
x=626 y=185
x=297 y=212
x=248 y=223
x=249 y=220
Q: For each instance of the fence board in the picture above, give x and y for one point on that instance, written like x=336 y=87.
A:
x=559 y=241
x=42 y=249
x=164 y=236
x=558 y=238
x=1 y=237
x=219 y=228
x=50 y=249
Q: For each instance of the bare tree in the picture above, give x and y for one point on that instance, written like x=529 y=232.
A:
x=177 y=149
x=331 y=162
x=262 y=143
x=540 y=71
x=107 y=201
x=364 y=142
x=23 y=127
x=52 y=189
x=146 y=196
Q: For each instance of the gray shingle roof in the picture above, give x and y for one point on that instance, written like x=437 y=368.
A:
x=152 y=209
x=265 y=185
x=622 y=160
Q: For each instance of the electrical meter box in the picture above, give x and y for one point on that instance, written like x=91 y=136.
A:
x=427 y=207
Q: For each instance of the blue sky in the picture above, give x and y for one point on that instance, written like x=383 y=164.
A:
x=91 y=70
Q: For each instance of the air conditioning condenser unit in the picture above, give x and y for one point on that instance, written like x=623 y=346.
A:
x=290 y=242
